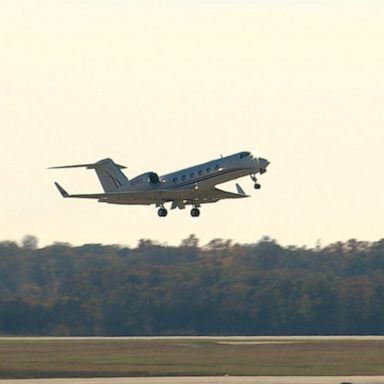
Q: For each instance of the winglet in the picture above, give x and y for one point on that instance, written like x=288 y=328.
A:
x=62 y=191
x=240 y=190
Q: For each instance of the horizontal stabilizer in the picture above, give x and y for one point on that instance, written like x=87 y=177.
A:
x=72 y=166
x=62 y=191
x=88 y=166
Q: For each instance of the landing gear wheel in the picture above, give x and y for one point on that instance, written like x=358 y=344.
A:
x=195 y=212
x=257 y=186
x=162 y=212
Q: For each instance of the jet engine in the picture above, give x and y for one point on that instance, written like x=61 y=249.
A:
x=153 y=178
x=146 y=179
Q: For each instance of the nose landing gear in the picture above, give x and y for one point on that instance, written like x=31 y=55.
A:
x=254 y=179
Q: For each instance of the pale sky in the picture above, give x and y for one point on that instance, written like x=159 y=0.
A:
x=162 y=85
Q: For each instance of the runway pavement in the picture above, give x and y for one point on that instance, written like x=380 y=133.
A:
x=210 y=380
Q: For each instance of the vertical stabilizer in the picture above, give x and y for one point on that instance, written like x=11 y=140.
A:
x=108 y=172
x=110 y=175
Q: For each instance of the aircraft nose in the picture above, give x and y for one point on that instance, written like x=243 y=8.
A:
x=263 y=164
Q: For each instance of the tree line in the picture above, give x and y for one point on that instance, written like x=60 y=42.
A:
x=219 y=289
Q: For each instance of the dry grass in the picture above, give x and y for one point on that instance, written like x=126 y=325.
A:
x=180 y=357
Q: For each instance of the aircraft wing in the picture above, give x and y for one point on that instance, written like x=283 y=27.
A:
x=184 y=196
x=215 y=194
x=64 y=193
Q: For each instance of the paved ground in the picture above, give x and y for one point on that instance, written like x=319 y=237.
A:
x=211 y=380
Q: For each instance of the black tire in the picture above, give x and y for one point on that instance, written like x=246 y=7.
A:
x=162 y=212
x=195 y=212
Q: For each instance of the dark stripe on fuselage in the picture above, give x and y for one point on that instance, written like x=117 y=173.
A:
x=206 y=177
x=115 y=181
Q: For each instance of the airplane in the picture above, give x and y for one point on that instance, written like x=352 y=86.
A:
x=191 y=186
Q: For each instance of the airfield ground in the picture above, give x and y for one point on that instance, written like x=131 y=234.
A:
x=27 y=358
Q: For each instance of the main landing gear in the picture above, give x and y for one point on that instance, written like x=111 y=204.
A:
x=195 y=212
x=162 y=212
x=254 y=179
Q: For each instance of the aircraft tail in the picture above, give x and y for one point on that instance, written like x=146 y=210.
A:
x=109 y=173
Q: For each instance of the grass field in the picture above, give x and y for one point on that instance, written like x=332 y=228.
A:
x=184 y=357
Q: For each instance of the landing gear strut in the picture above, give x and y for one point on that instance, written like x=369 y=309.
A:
x=254 y=179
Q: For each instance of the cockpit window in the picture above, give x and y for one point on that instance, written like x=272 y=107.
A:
x=243 y=155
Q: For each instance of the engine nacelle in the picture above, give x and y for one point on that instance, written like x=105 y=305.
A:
x=145 y=180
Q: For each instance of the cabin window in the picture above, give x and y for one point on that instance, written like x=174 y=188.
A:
x=192 y=175
x=208 y=170
x=183 y=177
x=217 y=167
x=200 y=172
x=175 y=179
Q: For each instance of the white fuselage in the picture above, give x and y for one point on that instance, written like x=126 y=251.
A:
x=201 y=176
x=194 y=185
x=211 y=173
